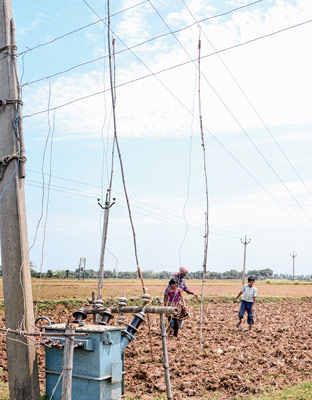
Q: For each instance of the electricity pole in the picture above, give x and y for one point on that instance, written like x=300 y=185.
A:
x=82 y=267
x=18 y=301
x=293 y=255
x=244 y=266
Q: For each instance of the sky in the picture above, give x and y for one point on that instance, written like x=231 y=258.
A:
x=254 y=89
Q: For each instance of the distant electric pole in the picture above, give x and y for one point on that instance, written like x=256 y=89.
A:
x=18 y=300
x=244 y=266
x=293 y=255
x=82 y=267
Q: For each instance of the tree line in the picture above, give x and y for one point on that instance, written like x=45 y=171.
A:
x=258 y=274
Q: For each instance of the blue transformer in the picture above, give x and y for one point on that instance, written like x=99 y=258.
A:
x=97 y=365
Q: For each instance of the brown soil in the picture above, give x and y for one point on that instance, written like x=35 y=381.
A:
x=232 y=363
x=57 y=289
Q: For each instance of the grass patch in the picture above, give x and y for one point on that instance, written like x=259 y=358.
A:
x=5 y=393
x=302 y=391
x=44 y=305
x=285 y=282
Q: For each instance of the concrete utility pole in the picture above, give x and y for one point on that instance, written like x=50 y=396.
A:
x=244 y=266
x=82 y=267
x=293 y=255
x=18 y=301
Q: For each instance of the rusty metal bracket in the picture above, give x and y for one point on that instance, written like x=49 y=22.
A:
x=8 y=47
x=3 y=103
x=6 y=160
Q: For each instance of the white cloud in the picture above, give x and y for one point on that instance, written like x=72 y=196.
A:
x=273 y=72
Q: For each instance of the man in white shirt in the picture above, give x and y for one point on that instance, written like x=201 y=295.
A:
x=249 y=294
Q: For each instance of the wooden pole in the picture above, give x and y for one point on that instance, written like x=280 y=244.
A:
x=201 y=311
x=18 y=301
x=68 y=364
x=165 y=356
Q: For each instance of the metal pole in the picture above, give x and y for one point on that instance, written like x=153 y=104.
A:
x=68 y=364
x=244 y=265
x=293 y=255
x=22 y=359
x=165 y=355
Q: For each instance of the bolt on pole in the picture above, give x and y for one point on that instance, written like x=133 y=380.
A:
x=245 y=242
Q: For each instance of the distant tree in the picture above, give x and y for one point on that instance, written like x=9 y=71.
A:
x=59 y=274
x=148 y=274
x=261 y=273
x=49 y=273
x=162 y=275
x=108 y=274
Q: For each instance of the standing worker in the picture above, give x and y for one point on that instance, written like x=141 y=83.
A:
x=180 y=277
x=174 y=298
x=249 y=293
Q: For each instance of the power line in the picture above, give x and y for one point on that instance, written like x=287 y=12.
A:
x=165 y=69
x=136 y=45
x=214 y=231
x=93 y=195
x=173 y=219
x=235 y=119
x=78 y=29
x=232 y=156
x=251 y=104
x=214 y=137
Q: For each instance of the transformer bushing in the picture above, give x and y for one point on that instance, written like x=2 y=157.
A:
x=128 y=334
x=106 y=317
x=79 y=316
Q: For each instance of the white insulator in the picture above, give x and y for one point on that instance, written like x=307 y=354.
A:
x=146 y=298
x=123 y=301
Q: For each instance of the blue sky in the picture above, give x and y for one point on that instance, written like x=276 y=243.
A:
x=255 y=189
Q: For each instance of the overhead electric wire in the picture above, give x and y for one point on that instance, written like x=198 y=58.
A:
x=214 y=231
x=236 y=119
x=78 y=29
x=211 y=134
x=251 y=104
x=163 y=70
x=144 y=212
x=208 y=130
x=93 y=195
x=188 y=182
x=138 y=44
x=51 y=131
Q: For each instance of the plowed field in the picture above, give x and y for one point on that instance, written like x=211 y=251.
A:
x=233 y=363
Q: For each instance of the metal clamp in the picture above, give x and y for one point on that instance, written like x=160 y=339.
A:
x=107 y=338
